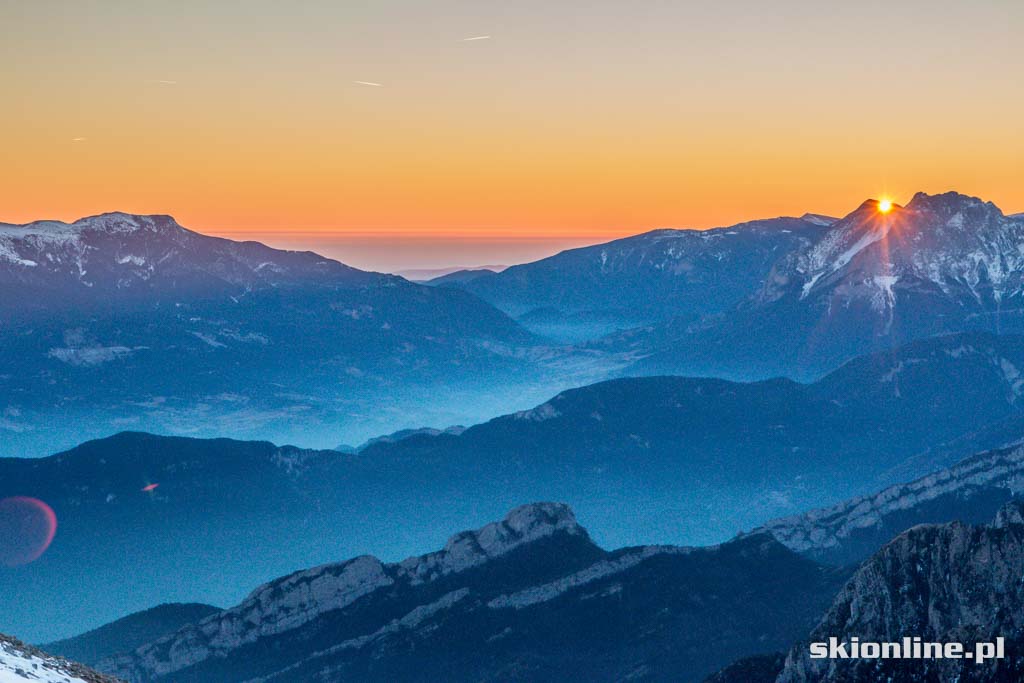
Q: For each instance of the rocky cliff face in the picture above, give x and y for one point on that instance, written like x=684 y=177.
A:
x=294 y=601
x=970 y=491
x=527 y=598
x=942 y=583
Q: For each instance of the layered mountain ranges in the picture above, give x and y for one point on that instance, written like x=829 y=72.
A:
x=792 y=297
x=646 y=278
x=120 y=321
x=533 y=598
x=874 y=280
x=527 y=598
x=694 y=460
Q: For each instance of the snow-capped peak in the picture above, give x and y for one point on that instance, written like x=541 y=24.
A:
x=115 y=222
x=958 y=244
x=134 y=255
x=947 y=202
x=818 y=219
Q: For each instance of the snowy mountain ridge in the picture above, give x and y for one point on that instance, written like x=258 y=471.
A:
x=119 y=251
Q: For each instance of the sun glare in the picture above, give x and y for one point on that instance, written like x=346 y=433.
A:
x=885 y=205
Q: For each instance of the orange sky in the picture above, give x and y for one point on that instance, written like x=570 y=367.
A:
x=570 y=123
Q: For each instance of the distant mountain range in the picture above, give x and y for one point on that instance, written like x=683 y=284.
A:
x=456 y=273
x=120 y=259
x=650 y=277
x=874 y=280
x=121 y=320
x=694 y=460
x=788 y=296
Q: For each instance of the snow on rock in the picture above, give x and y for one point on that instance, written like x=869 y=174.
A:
x=276 y=607
x=958 y=244
x=827 y=528
x=407 y=622
x=89 y=356
x=541 y=413
x=600 y=570
x=123 y=252
x=20 y=663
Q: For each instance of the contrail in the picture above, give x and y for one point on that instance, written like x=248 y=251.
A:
x=466 y=40
x=376 y=85
x=77 y=139
x=162 y=82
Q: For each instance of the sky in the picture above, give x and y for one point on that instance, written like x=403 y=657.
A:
x=377 y=133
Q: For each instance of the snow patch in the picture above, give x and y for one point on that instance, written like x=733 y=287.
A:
x=91 y=355
x=538 y=414
x=550 y=591
x=19 y=663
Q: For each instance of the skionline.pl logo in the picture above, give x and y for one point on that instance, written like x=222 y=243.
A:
x=907 y=648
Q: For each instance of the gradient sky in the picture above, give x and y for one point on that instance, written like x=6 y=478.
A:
x=574 y=122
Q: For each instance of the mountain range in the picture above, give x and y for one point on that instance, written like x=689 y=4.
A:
x=971 y=491
x=874 y=280
x=582 y=293
x=806 y=411
x=695 y=460
x=533 y=597
x=530 y=597
x=119 y=320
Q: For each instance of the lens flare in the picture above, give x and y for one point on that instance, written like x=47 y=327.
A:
x=27 y=527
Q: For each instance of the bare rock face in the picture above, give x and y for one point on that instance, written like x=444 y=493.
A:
x=530 y=597
x=294 y=601
x=942 y=583
x=850 y=531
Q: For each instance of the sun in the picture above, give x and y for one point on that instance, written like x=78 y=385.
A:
x=885 y=205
